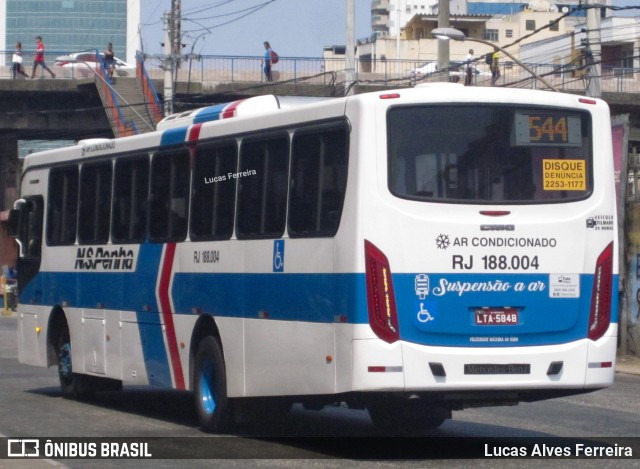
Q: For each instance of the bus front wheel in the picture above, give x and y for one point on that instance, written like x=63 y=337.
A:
x=71 y=383
x=210 y=387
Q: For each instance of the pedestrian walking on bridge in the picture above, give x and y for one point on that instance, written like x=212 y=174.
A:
x=16 y=62
x=39 y=58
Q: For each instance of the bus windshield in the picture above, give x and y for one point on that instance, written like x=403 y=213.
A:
x=491 y=154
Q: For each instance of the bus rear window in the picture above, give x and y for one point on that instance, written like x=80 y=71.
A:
x=489 y=154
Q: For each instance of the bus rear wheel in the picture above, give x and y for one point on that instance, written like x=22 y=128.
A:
x=210 y=387
x=407 y=415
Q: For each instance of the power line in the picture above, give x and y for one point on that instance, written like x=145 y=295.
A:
x=246 y=11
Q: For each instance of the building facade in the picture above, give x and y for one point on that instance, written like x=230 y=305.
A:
x=418 y=45
x=71 y=25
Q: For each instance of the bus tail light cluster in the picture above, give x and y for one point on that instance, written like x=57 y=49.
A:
x=600 y=314
x=383 y=316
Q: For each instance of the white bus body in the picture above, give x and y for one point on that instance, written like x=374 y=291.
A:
x=413 y=252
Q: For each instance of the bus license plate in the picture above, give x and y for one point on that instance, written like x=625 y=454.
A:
x=496 y=317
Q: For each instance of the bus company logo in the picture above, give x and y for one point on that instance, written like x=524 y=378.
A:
x=104 y=259
x=98 y=146
x=442 y=241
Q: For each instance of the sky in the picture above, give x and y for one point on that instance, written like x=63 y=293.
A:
x=294 y=28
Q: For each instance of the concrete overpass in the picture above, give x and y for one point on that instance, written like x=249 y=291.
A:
x=49 y=109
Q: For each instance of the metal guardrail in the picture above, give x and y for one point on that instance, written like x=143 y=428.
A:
x=249 y=69
x=152 y=101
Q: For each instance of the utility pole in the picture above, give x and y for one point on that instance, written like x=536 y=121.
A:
x=168 y=67
x=351 y=46
x=593 y=50
x=172 y=50
x=176 y=19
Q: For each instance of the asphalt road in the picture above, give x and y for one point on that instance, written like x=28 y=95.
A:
x=31 y=406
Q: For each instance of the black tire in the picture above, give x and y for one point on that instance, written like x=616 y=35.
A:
x=210 y=387
x=71 y=384
x=406 y=416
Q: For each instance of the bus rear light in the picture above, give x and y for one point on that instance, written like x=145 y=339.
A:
x=600 y=314
x=383 y=316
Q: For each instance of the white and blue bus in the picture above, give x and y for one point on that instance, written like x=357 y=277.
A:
x=410 y=252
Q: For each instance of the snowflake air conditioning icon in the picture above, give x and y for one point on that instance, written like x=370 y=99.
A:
x=442 y=241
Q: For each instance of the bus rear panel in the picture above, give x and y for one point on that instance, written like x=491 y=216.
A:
x=490 y=248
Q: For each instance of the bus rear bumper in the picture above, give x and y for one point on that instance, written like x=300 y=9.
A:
x=408 y=367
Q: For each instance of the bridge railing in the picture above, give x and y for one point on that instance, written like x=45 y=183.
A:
x=62 y=69
x=249 y=69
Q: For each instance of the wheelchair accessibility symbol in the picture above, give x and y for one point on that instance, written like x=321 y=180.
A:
x=278 y=255
x=424 y=315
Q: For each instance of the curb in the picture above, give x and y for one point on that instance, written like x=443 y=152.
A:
x=629 y=364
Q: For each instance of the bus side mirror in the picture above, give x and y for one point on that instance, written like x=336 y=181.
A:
x=15 y=222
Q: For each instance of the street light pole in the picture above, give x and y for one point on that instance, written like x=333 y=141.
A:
x=443 y=43
x=456 y=35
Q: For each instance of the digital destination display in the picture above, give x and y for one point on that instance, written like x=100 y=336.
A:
x=547 y=129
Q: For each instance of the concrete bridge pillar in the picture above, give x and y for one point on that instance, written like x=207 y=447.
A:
x=10 y=167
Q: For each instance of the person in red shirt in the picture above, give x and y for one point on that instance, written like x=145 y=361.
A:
x=39 y=58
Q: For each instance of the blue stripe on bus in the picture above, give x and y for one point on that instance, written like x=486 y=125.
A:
x=208 y=114
x=113 y=291
x=155 y=353
x=448 y=316
x=292 y=297
x=178 y=135
x=323 y=297
x=173 y=136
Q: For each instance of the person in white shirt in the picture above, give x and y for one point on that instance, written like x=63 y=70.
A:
x=468 y=72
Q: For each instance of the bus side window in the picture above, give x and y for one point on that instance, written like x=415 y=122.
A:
x=130 y=200
x=318 y=181
x=169 y=195
x=214 y=191
x=62 y=209
x=262 y=192
x=95 y=199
